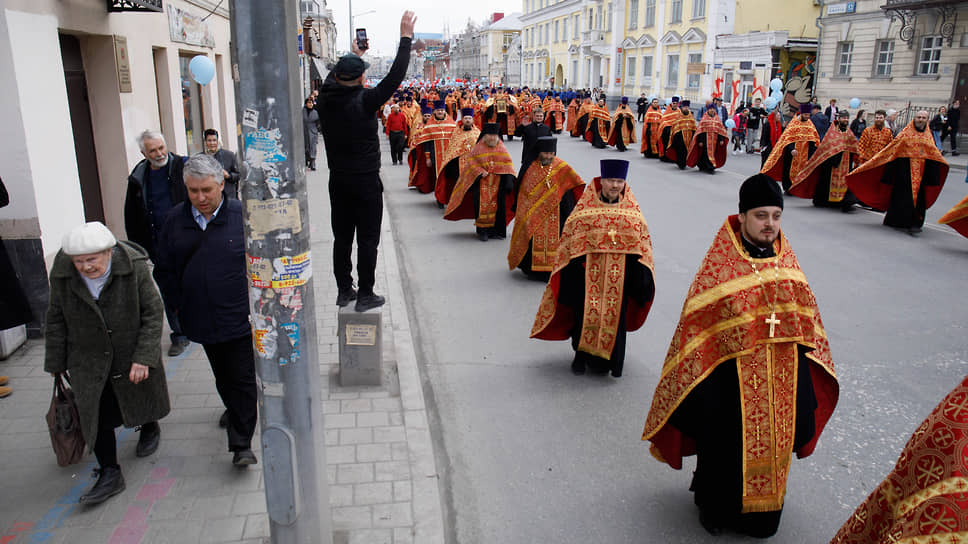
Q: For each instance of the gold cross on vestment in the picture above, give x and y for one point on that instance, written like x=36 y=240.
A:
x=611 y=234
x=773 y=322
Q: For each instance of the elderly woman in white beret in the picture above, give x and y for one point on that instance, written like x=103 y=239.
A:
x=104 y=325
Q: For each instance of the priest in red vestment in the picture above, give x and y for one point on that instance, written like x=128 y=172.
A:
x=669 y=118
x=924 y=500
x=596 y=131
x=572 y=120
x=770 y=134
x=622 y=131
x=748 y=380
x=681 y=132
x=957 y=217
x=555 y=115
x=428 y=148
x=874 y=138
x=650 y=130
x=794 y=148
x=824 y=177
x=602 y=283
x=485 y=189
x=904 y=178
x=548 y=192
x=708 y=147
x=462 y=140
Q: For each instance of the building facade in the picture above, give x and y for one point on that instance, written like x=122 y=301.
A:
x=80 y=83
x=317 y=36
x=625 y=47
x=494 y=42
x=897 y=54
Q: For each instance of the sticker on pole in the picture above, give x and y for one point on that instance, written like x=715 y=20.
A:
x=250 y=118
x=268 y=216
x=281 y=271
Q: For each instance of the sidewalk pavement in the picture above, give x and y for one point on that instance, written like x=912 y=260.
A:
x=381 y=467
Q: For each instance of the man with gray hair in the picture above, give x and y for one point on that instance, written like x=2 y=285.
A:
x=154 y=187
x=201 y=267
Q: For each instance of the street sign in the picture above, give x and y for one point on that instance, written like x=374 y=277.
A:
x=844 y=7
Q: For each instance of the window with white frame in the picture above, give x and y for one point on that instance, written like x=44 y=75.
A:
x=630 y=70
x=608 y=18
x=845 y=51
x=649 y=13
x=930 y=58
x=647 y=69
x=672 y=71
x=598 y=18
x=564 y=29
x=676 y=12
x=698 y=9
x=575 y=27
x=633 y=14
x=884 y=58
x=547 y=32
x=557 y=28
x=591 y=19
x=693 y=80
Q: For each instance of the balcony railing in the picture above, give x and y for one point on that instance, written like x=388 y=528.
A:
x=135 y=5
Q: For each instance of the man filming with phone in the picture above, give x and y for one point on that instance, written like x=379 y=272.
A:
x=348 y=115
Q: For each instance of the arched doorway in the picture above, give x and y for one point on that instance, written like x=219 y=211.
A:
x=559 y=77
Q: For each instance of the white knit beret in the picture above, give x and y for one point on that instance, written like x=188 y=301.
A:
x=89 y=238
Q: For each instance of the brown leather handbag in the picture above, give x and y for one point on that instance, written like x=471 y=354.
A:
x=64 y=423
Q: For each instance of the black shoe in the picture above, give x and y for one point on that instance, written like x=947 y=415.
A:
x=223 y=421
x=149 y=439
x=178 y=346
x=709 y=525
x=109 y=483
x=955 y=153
x=848 y=208
x=244 y=458
x=482 y=235
x=368 y=302
x=577 y=367
x=914 y=231
x=345 y=297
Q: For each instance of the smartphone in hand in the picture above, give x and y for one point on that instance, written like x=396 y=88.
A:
x=361 y=40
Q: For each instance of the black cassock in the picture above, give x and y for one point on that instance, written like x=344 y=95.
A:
x=639 y=285
x=619 y=141
x=648 y=138
x=682 y=149
x=580 y=125
x=711 y=415
x=703 y=162
x=500 y=228
x=529 y=138
x=597 y=141
x=902 y=212
x=821 y=195
x=664 y=138
x=787 y=158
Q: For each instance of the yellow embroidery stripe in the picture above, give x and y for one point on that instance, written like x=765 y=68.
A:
x=960 y=537
x=598 y=211
x=950 y=486
x=746 y=317
x=735 y=285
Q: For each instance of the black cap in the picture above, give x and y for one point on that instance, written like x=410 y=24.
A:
x=843 y=113
x=491 y=128
x=349 y=67
x=546 y=144
x=684 y=103
x=757 y=191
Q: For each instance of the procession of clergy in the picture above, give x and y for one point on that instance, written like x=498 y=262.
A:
x=748 y=379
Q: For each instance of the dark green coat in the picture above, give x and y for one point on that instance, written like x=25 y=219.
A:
x=97 y=341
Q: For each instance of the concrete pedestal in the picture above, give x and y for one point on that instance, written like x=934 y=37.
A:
x=360 y=347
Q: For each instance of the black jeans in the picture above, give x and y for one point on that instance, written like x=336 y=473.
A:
x=233 y=364
x=398 y=141
x=356 y=204
x=108 y=418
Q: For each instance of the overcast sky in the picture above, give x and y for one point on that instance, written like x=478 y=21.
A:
x=383 y=23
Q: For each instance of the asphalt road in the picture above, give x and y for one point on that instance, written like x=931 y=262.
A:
x=530 y=453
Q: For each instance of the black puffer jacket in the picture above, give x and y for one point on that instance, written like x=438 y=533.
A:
x=348 y=118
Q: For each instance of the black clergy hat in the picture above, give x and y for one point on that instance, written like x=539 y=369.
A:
x=349 y=67
x=684 y=104
x=439 y=105
x=426 y=110
x=625 y=100
x=491 y=128
x=675 y=100
x=548 y=144
x=843 y=113
x=467 y=112
x=806 y=107
x=757 y=191
x=614 y=168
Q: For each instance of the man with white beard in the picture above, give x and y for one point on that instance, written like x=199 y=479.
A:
x=154 y=187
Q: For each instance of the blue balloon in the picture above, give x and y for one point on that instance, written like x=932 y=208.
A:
x=202 y=69
x=776 y=84
x=777 y=95
x=770 y=103
x=730 y=124
x=855 y=103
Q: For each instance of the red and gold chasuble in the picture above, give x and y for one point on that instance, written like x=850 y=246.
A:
x=836 y=141
x=924 y=500
x=865 y=181
x=731 y=312
x=604 y=234
x=488 y=164
x=461 y=141
x=684 y=125
x=669 y=118
x=872 y=141
x=573 y=107
x=650 y=140
x=583 y=110
x=600 y=113
x=797 y=132
x=437 y=132
x=713 y=128
x=620 y=127
x=555 y=115
x=538 y=213
x=957 y=217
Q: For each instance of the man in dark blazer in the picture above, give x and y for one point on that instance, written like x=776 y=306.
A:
x=230 y=166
